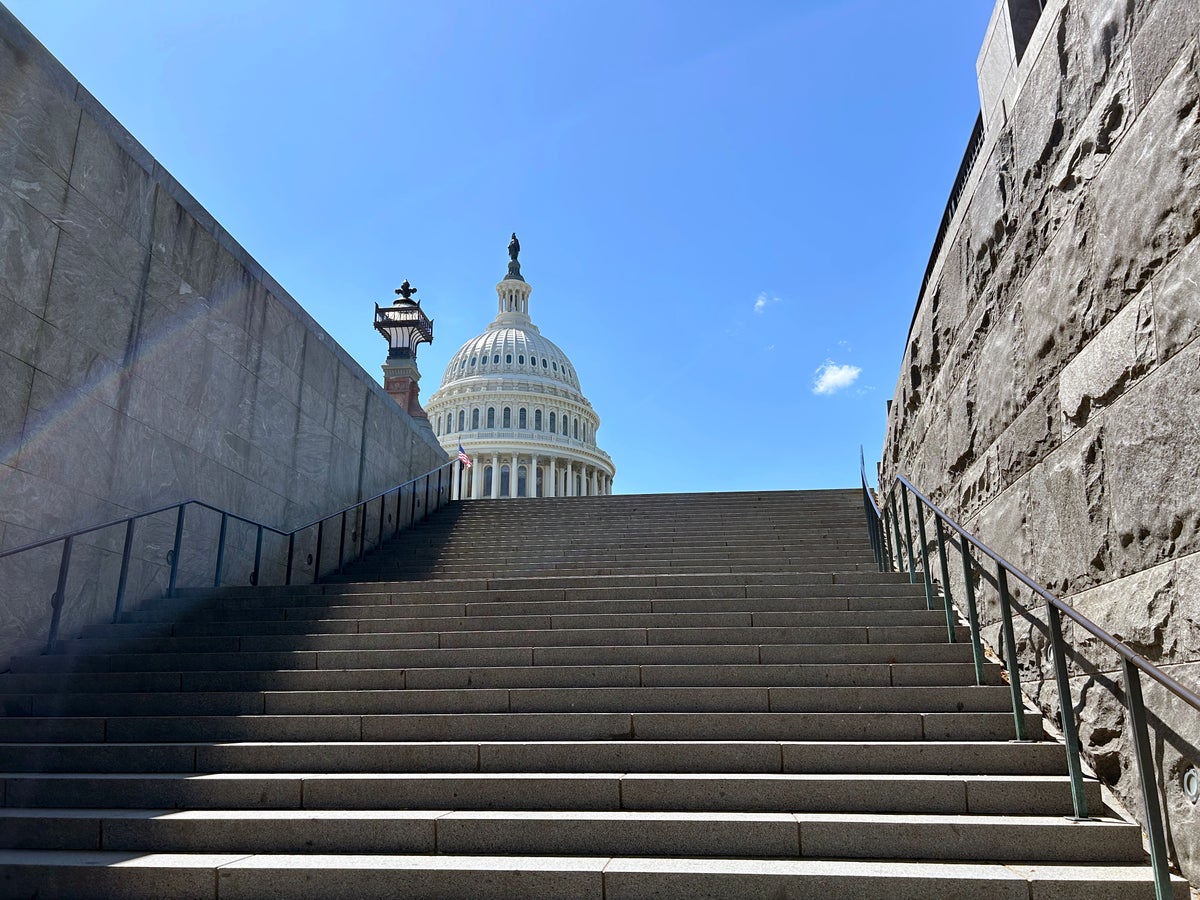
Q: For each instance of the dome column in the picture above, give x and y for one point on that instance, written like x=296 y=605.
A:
x=456 y=471
x=477 y=480
x=533 y=474
x=570 y=479
x=495 y=476
x=595 y=481
x=513 y=483
x=553 y=478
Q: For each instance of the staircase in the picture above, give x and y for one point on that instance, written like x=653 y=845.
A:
x=706 y=695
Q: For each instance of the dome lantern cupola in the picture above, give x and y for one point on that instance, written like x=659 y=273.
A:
x=512 y=294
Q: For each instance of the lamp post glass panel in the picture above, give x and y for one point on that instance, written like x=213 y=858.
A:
x=404 y=324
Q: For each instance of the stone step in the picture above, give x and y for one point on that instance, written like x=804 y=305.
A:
x=524 y=675
x=101 y=875
x=882 y=757
x=439 y=586
x=617 y=654
x=538 y=833
x=392 y=619
x=525 y=726
x=347 y=608
x=499 y=700
x=940 y=794
x=518 y=637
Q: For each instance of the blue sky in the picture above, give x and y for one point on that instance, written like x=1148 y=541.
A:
x=725 y=209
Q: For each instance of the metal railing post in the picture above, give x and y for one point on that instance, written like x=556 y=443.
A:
x=1145 y=766
x=925 y=558
x=896 y=528
x=60 y=593
x=399 y=500
x=342 y=545
x=972 y=611
x=123 y=578
x=362 y=530
x=1010 y=653
x=425 y=510
x=382 y=508
x=175 y=552
x=287 y=575
x=940 y=532
x=912 y=562
x=256 y=575
x=317 y=555
x=1067 y=713
x=891 y=542
x=220 y=551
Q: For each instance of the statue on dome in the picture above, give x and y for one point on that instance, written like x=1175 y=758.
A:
x=514 y=247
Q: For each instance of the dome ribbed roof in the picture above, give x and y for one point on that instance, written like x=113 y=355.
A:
x=511 y=350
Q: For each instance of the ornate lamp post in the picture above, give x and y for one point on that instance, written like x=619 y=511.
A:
x=404 y=325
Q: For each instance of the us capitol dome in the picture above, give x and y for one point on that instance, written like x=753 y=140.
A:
x=511 y=399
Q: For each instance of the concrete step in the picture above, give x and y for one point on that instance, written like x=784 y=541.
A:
x=525 y=726
x=941 y=794
x=363 y=607
x=615 y=654
x=524 y=675
x=539 y=833
x=714 y=757
x=518 y=637
x=100 y=875
x=370 y=619
x=499 y=700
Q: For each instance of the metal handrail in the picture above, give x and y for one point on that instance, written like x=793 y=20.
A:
x=890 y=549
x=359 y=508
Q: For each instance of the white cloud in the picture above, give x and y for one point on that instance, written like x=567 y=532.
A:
x=764 y=300
x=831 y=378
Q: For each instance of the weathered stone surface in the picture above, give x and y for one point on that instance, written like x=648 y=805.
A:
x=1175 y=289
x=1069 y=437
x=1152 y=468
x=1166 y=29
x=1117 y=357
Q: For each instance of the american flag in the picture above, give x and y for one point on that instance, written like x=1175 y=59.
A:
x=463 y=458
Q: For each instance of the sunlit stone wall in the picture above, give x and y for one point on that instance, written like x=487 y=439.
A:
x=1049 y=394
x=145 y=358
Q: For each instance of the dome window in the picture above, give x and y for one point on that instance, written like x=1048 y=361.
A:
x=537 y=420
x=521 y=360
x=554 y=366
x=507 y=417
x=472 y=360
x=508 y=359
x=522 y=418
x=496 y=358
x=566 y=426
x=543 y=362
x=576 y=429
x=491 y=418
x=553 y=423
x=449 y=421
x=474 y=420
x=462 y=420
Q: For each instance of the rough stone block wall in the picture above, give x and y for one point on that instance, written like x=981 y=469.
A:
x=1049 y=396
x=146 y=358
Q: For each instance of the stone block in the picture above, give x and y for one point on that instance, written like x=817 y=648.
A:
x=113 y=179
x=16 y=382
x=1176 y=298
x=37 y=100
x=1148 y=197
x=27 y=248
x=1068 y=518
x=1168 y=27
x=184 y=242
x=1151 y=469
x=1121 y=353
x=20 y=334
x=1034 y=433
x=28 y=176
